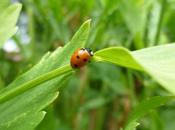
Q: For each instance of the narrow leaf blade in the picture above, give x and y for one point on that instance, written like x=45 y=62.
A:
x=144 y=107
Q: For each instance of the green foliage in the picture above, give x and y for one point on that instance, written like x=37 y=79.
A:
x=8 y=19
x=25 y=98
x=102 y=95
x=143 y=108
x=134 y=13
x=157 y=61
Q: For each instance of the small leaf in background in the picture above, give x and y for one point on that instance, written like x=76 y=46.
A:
x=154 y=19
x=143 y=108
x=94 y=103
x=35 y=99
x=134 y=14
x=8 y=19
x=158 y=62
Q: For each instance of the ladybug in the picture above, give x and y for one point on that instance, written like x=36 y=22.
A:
x=81 y=57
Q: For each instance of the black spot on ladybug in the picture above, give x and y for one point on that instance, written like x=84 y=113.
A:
x=84 y=60
x=78 y=57
x=75 y=65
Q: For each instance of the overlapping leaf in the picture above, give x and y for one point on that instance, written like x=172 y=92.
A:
x=144 y=108
x=158 y=62
x=8 y=19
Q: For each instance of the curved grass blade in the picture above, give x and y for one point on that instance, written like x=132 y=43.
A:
x=143 y=108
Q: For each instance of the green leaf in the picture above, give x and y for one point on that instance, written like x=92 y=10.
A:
x=143 y=108
x=94 y=103
x=10 y=93
x=134 y=14
x=158 y=62
x=34 y=90
x=4 y=4
x=132 y=126
x=117 y=55
x=50 y=121
x=25 y=121
x=154 y=22
x=8 y=19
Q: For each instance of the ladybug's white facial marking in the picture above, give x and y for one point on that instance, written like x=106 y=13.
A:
x=91 y=53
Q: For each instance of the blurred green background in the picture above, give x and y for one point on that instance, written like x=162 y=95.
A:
x=100 y=96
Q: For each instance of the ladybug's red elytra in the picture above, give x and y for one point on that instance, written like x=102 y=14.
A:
x=81 y=57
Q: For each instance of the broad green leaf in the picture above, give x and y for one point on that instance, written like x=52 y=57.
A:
x=158 y=62
x=143 y=108
x=117 y=55
x=8 y=19
x=33 y=97
x=10 y=93
x=26 y=121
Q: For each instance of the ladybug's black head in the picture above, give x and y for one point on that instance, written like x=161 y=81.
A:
x=89 y=51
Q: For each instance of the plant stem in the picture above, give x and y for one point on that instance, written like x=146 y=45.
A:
x=33 y=83
x=163 y=8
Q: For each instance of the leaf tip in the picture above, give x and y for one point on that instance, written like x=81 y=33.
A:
x=43 y=113
x=87 y=22
x=18 y=6
x=56 y=94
